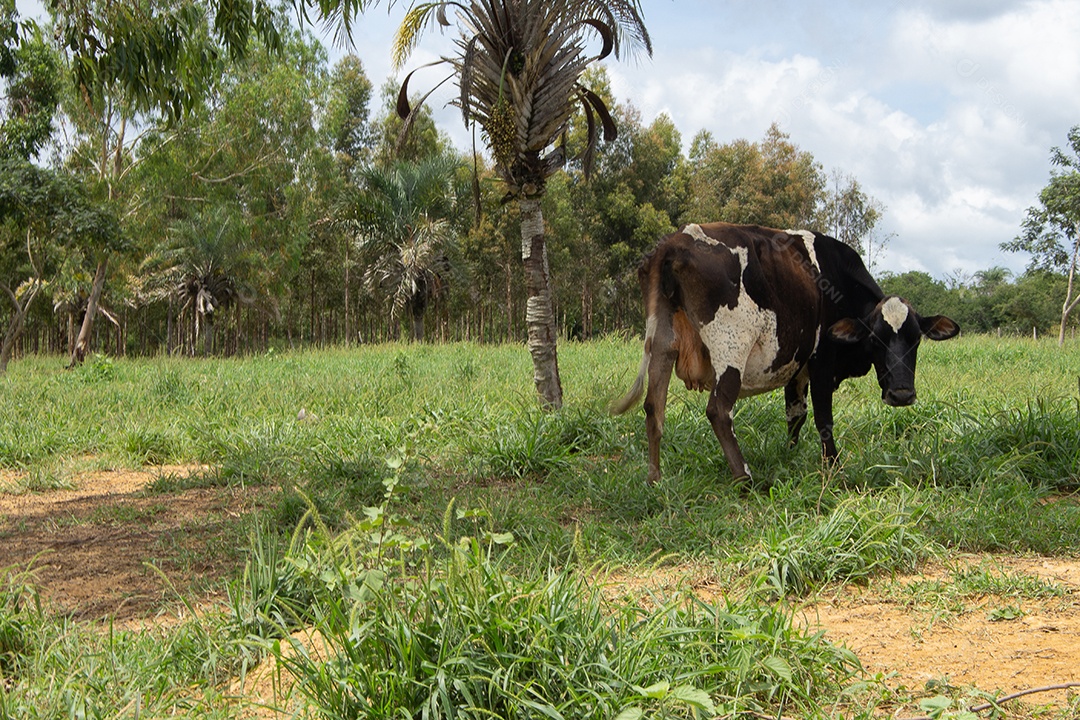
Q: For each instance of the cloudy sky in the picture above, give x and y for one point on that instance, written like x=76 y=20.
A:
x=945 y=110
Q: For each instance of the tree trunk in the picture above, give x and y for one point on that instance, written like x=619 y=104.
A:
x=169 y=327
x=539 y=318
x=1070 y=302
x=82 y=343
x=348 y=317
x=16 y=324
x=417 y=328
x=208 y=335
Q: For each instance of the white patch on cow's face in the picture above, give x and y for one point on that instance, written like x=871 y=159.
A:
x=808 y=243
x=694 y=230
x=895 y=312
x=745 y=338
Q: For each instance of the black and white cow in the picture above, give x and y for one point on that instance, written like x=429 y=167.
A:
x=740 y=310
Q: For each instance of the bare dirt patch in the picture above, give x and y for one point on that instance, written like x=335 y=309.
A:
x=90 y=549
x=916 y=647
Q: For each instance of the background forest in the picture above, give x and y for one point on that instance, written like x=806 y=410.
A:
x=285 y=208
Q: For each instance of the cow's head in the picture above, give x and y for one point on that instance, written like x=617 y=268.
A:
x=890 y=335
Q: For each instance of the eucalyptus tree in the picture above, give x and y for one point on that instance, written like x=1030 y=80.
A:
x=348 y=141
x=850 y=215
x=403 y=232
x=771 y=182
x=518 y=65
x=346 y=115
x=38 y=207
x=142 y=66
x=1051 y=230
x=30 y=77
x=226 y=205
x=629 y=205
x=45 y=216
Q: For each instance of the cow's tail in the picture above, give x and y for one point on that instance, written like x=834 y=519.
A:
x=630 y=398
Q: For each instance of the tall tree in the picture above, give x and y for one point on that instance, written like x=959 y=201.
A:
x=38 y=207
x=850 y=215
x=45 y=217
x=1051 y=230
x=771 y=183
x=30 y=70
x=518 y=65
x=350 y=139
x=345 y=118
x=224 y=205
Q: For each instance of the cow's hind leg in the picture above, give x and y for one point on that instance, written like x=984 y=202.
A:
x=719 y=411
x=795 y=403
x=661 y=361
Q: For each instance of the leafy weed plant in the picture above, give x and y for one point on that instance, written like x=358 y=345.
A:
x=443 y=630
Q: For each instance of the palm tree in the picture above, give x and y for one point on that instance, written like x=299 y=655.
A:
x=205 y=271
x=403 y=230
x=518 y=65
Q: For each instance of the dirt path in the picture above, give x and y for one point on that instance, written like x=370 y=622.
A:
x=90 y=548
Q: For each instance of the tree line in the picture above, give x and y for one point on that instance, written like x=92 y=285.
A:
x=271 y=200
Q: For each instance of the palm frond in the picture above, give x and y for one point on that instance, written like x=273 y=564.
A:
x=518 y=66
x=411 y=30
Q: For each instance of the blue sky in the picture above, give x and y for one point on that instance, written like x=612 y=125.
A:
x=944 y=110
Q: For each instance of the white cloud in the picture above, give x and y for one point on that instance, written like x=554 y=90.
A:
x=945 y=112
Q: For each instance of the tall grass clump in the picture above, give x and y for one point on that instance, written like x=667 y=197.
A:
x=1005 y=514
x=863 y=535
x=528 y=446
x=454 y=628
x=469 y=640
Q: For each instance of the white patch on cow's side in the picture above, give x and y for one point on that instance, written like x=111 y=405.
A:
x=895 y=312
x=694 y=230
x=745 y=338
x=808 y=243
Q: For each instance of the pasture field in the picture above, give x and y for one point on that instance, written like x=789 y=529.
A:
x=399 y=526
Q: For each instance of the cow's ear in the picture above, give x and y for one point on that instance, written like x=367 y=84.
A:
x=938 y=327
x=848 y=330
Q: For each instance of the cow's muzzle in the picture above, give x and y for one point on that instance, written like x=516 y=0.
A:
x=899 y=397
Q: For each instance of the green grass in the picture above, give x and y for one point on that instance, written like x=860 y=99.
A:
x=988 y=460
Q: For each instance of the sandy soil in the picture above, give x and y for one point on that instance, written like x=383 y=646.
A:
x=89 y=549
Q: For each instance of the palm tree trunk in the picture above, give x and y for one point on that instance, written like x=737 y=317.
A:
x=208 y=335
x=539 y=317
x=82 y=343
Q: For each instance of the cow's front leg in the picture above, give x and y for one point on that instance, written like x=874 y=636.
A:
x=821 y=394
x=719 y=411
x=795 y=403
x=660 y=365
